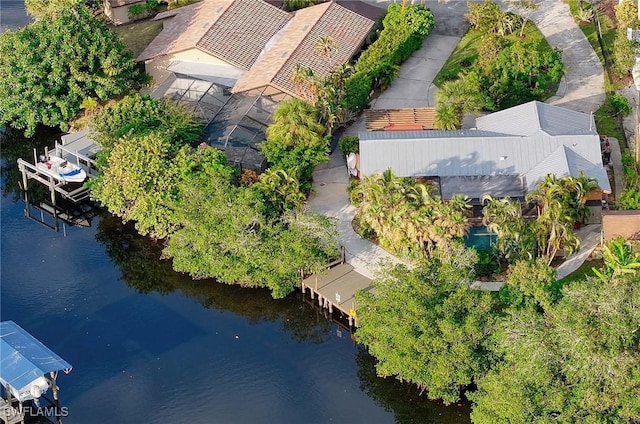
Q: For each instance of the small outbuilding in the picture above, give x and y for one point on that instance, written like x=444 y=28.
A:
x=118 y=10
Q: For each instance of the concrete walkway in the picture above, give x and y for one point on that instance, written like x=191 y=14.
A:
x=582 y=86
x=589 y=236
x=331 y=199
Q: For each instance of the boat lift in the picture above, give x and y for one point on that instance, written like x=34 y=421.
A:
x=28 y=369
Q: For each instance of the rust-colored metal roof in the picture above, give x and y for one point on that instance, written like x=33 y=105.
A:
x=186 y=28
x=400 y=119
x=297 y=45
x=241 y=33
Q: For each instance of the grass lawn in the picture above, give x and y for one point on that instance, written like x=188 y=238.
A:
x=467 y=50
x=607 y=124
x=138 y=35
x=582 y=272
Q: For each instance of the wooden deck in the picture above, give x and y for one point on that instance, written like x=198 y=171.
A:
x=400 y=119
x=336 y=289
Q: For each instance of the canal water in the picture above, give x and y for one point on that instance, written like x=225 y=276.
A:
x=152 y=346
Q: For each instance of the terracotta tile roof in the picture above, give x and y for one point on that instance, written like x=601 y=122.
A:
x=296 y=44
x=186 y=28
x=242 y=32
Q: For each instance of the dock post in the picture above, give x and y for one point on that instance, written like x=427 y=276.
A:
x=320 y=300
x=54 y=390
x=330 y=307
x=24 y=177
x=350 y=321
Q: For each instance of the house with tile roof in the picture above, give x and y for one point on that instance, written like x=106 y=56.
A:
x=505 y=155
x=251 y=44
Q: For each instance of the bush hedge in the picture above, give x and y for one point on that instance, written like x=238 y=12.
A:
x=404 y=30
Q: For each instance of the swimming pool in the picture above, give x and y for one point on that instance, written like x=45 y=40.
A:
x=480 y=238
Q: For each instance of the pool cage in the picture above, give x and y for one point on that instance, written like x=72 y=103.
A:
x=235 y=123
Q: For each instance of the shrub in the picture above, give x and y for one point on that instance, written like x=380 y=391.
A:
x=620 y=104
x=405 y=28
x=349 y=144
x=358 y=90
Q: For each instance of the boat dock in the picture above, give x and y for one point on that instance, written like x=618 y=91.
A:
x=336 y=289
x=76 y=148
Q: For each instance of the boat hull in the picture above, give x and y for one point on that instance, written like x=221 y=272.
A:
x=62 y=170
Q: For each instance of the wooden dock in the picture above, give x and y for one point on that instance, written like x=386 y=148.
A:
x=336 y=290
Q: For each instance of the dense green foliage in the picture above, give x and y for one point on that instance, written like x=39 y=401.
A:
x=406 y=217
x=494 y=68
x=291 y=5
x=619 y=104
x=427 y=326
x=253 y=233
x=295 y=139
x=546 y=354
x=49 y=67
x=349 y=144
x=225 y=235
x=141 y=115
x=576 y=361
x=404 y=30
x=489 y=17
x=630 y=197
x=140 y=179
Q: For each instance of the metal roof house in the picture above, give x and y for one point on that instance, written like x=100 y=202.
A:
x=505 y=155
x=27 y=370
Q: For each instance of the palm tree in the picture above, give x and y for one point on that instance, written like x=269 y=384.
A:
x=456 y=98
x=326 y=46
x=296 y=123
x=619 y=260
x=306 y=83
x=281 y=190
x=504 y=218
x=447 y=118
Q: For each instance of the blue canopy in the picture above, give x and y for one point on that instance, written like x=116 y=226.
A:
x=23 y=358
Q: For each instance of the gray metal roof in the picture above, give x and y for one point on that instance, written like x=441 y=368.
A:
x=528 y=118
x=422 y=134
x=563 y=162
x=490 y=151
x=475 y=187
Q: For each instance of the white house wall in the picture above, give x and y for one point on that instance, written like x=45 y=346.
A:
x=157 y=67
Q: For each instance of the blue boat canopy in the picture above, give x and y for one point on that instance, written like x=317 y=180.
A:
x=23 y=358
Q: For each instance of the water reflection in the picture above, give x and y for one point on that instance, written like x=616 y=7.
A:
x=405 y=400
x=138 y=259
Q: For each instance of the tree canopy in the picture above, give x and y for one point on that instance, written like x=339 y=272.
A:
x=427 y=326
x=579 y=361
x=49 y=67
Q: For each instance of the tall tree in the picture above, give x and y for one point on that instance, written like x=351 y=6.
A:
x=296 y=139
x=524 y=8
x=504 y=218
x=428 y=327
x=456 y=98
x=579 y=361
x=49 y=67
